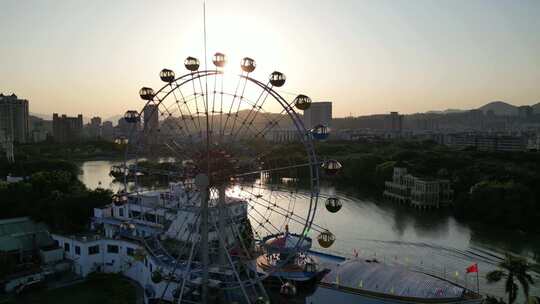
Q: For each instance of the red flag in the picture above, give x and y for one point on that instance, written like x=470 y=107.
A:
x=472 y=268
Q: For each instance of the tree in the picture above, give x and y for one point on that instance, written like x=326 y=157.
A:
x=513 y=268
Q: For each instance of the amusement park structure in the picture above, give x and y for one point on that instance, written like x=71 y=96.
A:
x=228 y=227
x=231 y=225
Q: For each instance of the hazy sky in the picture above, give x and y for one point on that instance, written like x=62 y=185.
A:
x=91 y=57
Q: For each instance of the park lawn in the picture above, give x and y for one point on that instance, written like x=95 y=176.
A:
x=100 y=289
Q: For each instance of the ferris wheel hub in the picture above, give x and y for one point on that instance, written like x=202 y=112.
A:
x=201 y=181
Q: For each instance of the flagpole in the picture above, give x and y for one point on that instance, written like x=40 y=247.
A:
x=477 y=279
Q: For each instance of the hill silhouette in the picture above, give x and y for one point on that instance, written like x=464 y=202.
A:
x=500 y=108
x=536 y=108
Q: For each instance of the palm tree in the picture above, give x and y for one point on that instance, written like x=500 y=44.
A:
x=513 y=268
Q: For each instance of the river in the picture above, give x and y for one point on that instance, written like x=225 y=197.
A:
x=431 y=241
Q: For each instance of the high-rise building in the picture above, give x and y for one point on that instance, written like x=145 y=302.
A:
x=94 y=128
x=14 y=117
x=394 y=124
x=107 y=131
x=151 y=124
x=151 y=118
x=95 y=121
x=319 y=113
x=67 y=129
x=525 y=112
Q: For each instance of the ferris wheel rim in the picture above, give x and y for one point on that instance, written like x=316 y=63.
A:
x=286 y=106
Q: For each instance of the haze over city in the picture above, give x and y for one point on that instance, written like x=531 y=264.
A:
x=269 y=151
x=366 y=56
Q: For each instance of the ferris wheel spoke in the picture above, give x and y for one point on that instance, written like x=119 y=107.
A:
x=233 y=103
x=286 y=213
x=260 y=109
x=177 y=102
x=275 y=169
x=203 y=96
x=188 y=270
x=196 y=104
x=235 y=231
x=260 y=225
x=270 y=127
x=187 y=115
x=191 y=143
x=213 y=112
x=238 y=107
x=180 y=255
x=185 y=102
x=266 y=219
x=249 y=254
x=252 y=119
x=221 y=106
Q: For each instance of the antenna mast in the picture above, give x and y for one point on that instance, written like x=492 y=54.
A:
x=203 y=184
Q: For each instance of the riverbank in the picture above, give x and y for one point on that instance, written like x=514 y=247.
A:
x=496 y=188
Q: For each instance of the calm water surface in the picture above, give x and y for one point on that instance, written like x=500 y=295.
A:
x=429 y=241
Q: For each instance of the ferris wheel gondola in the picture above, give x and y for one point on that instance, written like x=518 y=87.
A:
x=192 y=64
x=333 y=204
x=320 y=132
x=167 y=75
x=146 y=93
x=132 y=116
x=219 y=60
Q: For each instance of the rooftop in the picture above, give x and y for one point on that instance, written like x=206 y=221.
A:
x=393 y=280
x=23 y=233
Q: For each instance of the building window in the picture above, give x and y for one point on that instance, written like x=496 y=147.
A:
x=121 y=212
x=112 y=248
x=130 y=251
x=150 y=217
x=93 y=250
x=77 y=250
x=66 y=247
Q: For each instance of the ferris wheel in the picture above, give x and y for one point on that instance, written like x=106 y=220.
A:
x=246 y=216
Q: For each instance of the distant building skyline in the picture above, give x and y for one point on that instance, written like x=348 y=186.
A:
x=115 y=117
